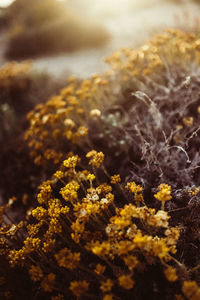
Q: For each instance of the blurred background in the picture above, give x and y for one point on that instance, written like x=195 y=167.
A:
x=73 y=36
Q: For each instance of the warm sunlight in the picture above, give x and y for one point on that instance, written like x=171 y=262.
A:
x=4 y=3
x=99 y=159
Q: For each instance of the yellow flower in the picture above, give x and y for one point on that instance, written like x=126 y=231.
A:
x=96 y=158
x=64 y=210
x=48 y=245
x=48 y=282
x=99 y=269
x=32 y=244
x=69 y=191
x=79 y=288
x=115 y=179
x=55 y=225
x=59 y=174
x=54 y=208
x=141 y=241
x=164 y=193
x=82 y=131
x=36 y=273
x=188 y=121
x=67 y=259
x=126 y=282
x=136 y=190
x=101 y=249
x=108 y=297
x=172 y=235
x=91 y=177
x=69 y=123
x=95 y=113
x=179 y=297
x=71 y=162
x=194 y=191
x=131 y=261
x=106 y=286
x=191 y=290
x=124 y=247
x=133 y=187
x=170 y=274
x=45 y=193
x=39 y=213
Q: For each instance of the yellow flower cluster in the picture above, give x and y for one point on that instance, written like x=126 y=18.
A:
x=71 y=162
x=96 y=158
x=12 y=70
x=193 y=191
x=97 y=200
x=108 y=297
x=39 y=213
x=170 y=274
x=100 y=269
x=60 y=122
x=91 y=177
x=164 y=193
x=147 y=60
x=69 y=191
x=67 y=259
x=45 y=193
x=191 y=290
x=48 y=282
x=18 y=256
x=100 y=230
x=36 y=273
x=59 y=174
x=188 y=121
x=106 y=286
x=126 y=282
x=79 y=288
x=86 y=236
x=136 y=190
x=115 y=179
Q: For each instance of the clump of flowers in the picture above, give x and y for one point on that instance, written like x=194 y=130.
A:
x=87 y=239
x=119 y=218
x=60 y=125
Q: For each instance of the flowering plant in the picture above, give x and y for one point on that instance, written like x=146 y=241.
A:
x=118 y=214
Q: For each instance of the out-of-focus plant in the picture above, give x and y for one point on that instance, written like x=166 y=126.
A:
x=48 y=26
x=31 y=13
x=119 y=218
x=21 y=89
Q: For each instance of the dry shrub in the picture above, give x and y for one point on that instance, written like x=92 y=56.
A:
x=21 y=89
x=119 y=217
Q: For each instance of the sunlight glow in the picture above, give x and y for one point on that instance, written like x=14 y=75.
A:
x=4 y=3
